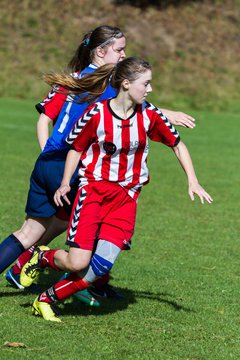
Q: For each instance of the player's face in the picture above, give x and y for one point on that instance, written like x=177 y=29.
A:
x=141 y=87
x=115 y=52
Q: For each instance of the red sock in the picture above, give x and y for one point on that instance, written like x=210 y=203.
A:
x=23 y=259
x=63 y=289
x=102 y=281
x=47 y=259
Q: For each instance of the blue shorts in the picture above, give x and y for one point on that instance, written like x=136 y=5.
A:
x=45 y=180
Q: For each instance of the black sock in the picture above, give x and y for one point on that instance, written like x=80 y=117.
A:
x=10 y=249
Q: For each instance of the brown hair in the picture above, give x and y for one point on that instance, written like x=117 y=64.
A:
x=95 y=83
x=101 y=36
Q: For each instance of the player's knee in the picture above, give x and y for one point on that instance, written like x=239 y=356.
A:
x=24 y=238
x=100 y=265
x=76 y=265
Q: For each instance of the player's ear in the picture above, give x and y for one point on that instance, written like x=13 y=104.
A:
x=100 y=52
x=125 y=84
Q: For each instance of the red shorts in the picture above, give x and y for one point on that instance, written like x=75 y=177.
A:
x=102 y=210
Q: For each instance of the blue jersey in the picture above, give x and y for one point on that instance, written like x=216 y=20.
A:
x=71 y=111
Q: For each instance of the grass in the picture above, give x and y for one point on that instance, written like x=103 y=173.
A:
x=181 y=278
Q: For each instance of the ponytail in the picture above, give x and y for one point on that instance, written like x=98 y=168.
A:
x=95 y=83
x=92 y=85
x=82 y=56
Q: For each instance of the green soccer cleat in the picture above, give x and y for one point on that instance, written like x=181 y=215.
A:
x=32 y=269
x=87 y=298
x=84 y=295
x=45 y=310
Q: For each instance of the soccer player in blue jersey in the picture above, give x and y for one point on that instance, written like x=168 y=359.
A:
x=102 y=46
x=107 y=45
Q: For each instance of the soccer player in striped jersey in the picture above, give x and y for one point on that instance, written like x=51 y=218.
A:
x=111 y=139
x=103 y=45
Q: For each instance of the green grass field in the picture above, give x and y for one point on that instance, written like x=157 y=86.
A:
x=181 y=278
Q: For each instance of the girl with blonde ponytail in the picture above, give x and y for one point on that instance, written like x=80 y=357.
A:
x=93 y=86
x=105 y=44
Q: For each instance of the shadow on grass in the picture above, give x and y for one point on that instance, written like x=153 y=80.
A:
x=72 y=306
x=109 y=306
x=162 y=298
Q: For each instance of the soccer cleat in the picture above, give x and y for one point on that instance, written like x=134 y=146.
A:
x=13 y=279
x=106 y=291
x=32 y=268
x=84 y=295
x=87 y=298
x=45 y=310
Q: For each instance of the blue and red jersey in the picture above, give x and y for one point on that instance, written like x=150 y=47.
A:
x=65 y=111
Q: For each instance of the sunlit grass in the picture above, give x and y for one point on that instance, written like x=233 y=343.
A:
x=181 y=278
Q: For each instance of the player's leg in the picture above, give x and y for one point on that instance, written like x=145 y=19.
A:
x=39 y=209
x=16 y=243
x=76 y=260
x=100 y=264
x=118 y=228
x=56 y=226
x=83 y=226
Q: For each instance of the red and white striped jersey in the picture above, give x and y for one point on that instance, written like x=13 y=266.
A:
x=116 y=149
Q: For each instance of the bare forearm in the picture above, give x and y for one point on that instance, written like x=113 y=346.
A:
x=71 y=164
x=185 y=160
x=43 y=130
x=194 y=187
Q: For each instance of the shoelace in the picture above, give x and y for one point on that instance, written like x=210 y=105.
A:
x=32 y=270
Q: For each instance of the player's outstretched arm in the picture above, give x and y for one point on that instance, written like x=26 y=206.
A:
x=43 y=129
x=194 y=187
x=73 y=158
x=179 y=118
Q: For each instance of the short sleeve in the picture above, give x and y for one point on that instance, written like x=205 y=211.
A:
x=52 y=103
x=161 y=130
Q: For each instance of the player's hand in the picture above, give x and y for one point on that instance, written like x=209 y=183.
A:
x=60 y=194
x=197 y=189
x=178 y=118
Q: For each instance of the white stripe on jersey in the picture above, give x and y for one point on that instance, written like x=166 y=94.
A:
x=65 y=119
x=133 y=141
x=100 y=131
x=144 y=169
x=134 y=144
x=115 y=158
